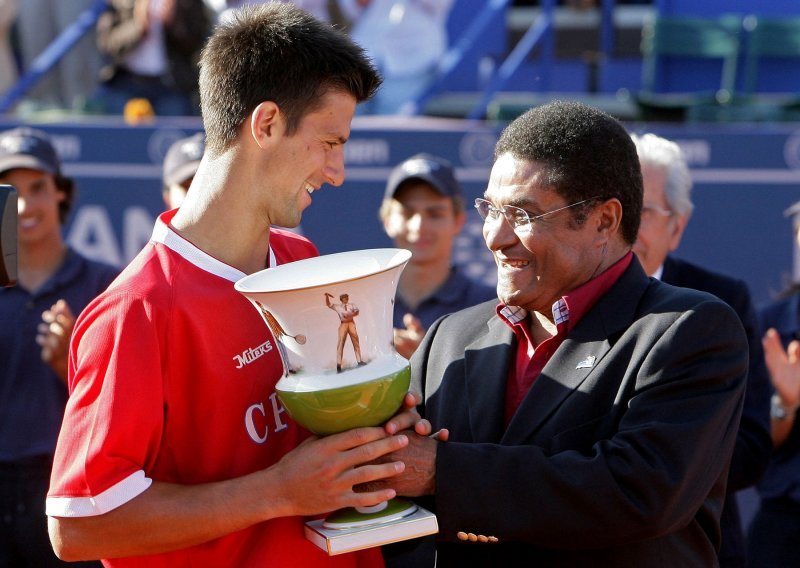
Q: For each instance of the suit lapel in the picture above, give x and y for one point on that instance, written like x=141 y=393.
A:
x=570 y=365
x=487 y=361
x=580 y=355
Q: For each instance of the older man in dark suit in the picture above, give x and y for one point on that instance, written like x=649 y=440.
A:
x=665 y=214
x=592 y=415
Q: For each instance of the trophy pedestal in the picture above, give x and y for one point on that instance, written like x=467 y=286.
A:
x=366 y=533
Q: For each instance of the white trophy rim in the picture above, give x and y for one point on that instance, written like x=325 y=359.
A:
x=246 y=285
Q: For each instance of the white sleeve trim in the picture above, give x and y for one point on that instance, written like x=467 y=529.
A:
x=132 y=486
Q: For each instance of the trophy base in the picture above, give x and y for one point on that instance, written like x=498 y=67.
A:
x=400 y=521
x=351 y=517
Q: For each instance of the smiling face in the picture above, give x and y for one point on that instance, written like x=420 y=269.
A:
x=423 y=221
x=312 y=156
x=37 y=204
x=541 y=262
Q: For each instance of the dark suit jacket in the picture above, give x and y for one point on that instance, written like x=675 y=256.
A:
x=618 y=455
x=753 y=442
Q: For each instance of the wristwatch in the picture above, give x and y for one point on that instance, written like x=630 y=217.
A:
x=778 y=411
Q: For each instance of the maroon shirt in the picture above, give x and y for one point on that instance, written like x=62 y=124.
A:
x=567 y=312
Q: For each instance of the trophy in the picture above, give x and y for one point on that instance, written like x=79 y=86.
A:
x=332 y=318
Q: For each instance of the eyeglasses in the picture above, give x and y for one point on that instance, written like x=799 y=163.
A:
x=649 y=212
x=518 y=218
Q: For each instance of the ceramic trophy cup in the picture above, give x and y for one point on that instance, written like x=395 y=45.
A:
x=332 y=318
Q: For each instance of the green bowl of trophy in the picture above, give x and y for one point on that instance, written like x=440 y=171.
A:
x=368 y=402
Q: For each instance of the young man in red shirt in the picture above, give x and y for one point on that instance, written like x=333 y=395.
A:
x=173 y=452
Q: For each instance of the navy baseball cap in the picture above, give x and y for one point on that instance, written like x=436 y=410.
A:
x=183 y=159
x=433 y=170
x=28 y=148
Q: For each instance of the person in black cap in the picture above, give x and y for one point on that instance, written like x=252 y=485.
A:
x=423 y=211
x=54 y=284
x=180 y=165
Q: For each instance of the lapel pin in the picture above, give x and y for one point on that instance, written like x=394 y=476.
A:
x=587 y=363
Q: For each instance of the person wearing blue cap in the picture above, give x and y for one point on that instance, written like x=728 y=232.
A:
x=54 y=284
x=423 y=211
x=180 y=164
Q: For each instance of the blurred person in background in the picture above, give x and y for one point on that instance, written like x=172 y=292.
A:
x=774 y=531
x=423 y=211
x=8 y=65
x=152 y=49
x=406 y=39
x=180 y=165
x=54 y=284
x=74 y=78
x=320 y=9
x=666 y=212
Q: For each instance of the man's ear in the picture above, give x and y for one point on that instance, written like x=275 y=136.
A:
x=265 y=123
x=608 y=217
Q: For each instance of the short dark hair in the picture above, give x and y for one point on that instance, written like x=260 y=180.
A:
x=587 y=154
x=276 y=52
x=67 y=187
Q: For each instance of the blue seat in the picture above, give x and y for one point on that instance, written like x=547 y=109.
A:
x=685 y=43
x=772 y=44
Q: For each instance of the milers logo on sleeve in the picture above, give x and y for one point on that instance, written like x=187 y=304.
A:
x=252 y=353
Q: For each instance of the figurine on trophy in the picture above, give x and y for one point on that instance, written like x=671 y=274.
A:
x=347 y=313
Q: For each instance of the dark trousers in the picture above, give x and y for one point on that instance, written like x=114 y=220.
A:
x=23 y=525
x=774 y=535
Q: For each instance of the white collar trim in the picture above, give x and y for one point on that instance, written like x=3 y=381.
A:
x=163 y=233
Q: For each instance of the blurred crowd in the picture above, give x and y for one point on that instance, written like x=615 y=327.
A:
x=141 y=57
x=145 y=52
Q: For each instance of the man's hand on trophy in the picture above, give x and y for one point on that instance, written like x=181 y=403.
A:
x=419 y=456
x=419 y=476
x=408 y=418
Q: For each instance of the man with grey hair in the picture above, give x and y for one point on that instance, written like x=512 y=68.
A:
x=666 y=211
